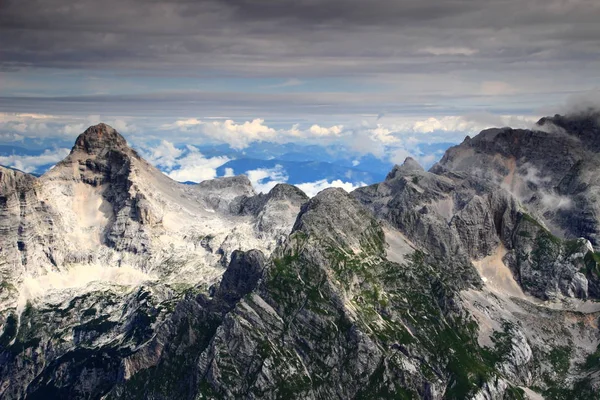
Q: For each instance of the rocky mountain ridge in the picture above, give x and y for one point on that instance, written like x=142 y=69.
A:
x=458 y=282
x=105 y=205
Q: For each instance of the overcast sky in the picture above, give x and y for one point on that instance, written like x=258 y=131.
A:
x=244 y=70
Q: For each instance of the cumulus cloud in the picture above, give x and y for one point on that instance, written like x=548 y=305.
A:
x=229 y=172
x=182 y=124
x=73 y=129
x=184 y=165
x=164 y=155
x=464 y=124
x=241 y=135
x=382 y=134
x=194 y=167
x=237 y=135
x=121 y=125
x=23 y=124
x=399 y=155
x=387 y=137
x=265 y=179
x=11 y=137
x=317 y=130
x=29 y=163
x=372 y=139
x=40 y=126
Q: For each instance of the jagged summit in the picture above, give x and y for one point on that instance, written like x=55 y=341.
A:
x=227 y=182
x=335 y=215
x=585 y=126
x=101 y=155
x=409 y=165
x=98 y=138
x=548 y=169
x=286 y=191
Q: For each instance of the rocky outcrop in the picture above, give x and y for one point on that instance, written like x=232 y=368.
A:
x=459 y=218
x=30 y=229
x=549 y=169
x=105 y=205
x=547 y=267
x=241 y=277
x=225 y=194
x=93 y=343
x=455 y=219
x=275 y=212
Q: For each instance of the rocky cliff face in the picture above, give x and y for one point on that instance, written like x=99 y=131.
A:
x=463 y=282
x=105 y=205
x=550 y=170
x=461 y=218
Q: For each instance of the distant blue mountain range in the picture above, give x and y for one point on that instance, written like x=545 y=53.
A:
x=301 y=163
x=306 y=171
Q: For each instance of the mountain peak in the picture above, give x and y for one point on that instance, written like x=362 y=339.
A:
x=99 y=137
x=584 y=125
x=100 y=153
x=409 y=165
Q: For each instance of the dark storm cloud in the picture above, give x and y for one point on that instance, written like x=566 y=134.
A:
x=374 y=12
x=297 y=38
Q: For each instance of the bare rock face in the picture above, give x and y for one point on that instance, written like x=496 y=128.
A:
x=104 y=205
x=274 y=211
x=548 y=267
x=459 y=217
x=226 y=193
x=454 y=218
x=100 y=139
x=30 y=230
x=242 y=276
x=549 y=169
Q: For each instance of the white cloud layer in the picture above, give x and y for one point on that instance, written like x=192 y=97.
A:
x=265 y=179
x=386 y=136
x=364 y=137
x=241 y=135
x=184 y=165
x=29 y=164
